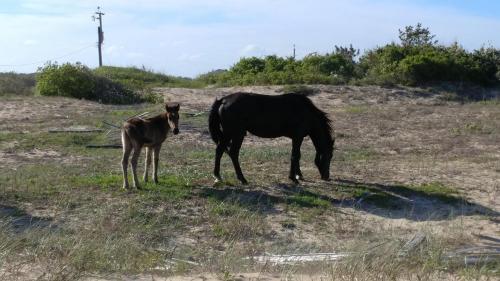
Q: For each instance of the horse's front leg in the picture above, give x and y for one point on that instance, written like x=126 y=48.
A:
x=234 y=152
x=295 y=173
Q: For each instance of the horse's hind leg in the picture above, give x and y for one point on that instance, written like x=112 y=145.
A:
x=219 y=151
x=135 y=159
x=295 y=173
x=127 y=148
x=147 y=163
x=234 y=152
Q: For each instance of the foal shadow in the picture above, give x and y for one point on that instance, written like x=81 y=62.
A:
x=20 y=221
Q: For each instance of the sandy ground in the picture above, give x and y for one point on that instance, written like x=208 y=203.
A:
x=417 y=137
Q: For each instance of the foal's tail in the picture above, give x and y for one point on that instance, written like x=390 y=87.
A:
x=214 y=122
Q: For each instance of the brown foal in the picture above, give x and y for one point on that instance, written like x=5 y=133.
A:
x=149 y=133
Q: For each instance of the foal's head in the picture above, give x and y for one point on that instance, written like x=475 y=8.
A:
x=173 y=116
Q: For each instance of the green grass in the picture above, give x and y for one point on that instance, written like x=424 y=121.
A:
x=472 y=128
x=356 y=154
x=357 y=109
x=438 y=191
x=308 y=201
x=388 y=197
x=231 y=221
x=199 y=120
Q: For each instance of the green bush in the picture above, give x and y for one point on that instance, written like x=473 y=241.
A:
x=78 y=81
x=17 y=83
x=142 y=79
x=332 y=68
x=413 y=65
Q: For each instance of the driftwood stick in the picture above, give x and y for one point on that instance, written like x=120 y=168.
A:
x=413 y=243
x=112 y=125
x=139 y=115
x=75 y=130
x=104 y=146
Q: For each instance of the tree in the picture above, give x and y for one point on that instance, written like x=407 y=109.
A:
x=348 y=53
x=417 y=35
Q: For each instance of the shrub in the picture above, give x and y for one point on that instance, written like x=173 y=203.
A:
x=412 y=65
x=17 y=83
x=299 y=89
x=78 y=81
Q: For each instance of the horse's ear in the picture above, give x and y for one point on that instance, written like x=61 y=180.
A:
x=172 y=107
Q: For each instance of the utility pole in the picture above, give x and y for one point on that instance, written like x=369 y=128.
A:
x=293 y=51
x=100 y=34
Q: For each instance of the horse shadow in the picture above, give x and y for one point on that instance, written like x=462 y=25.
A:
x=400 y=201
x=19 y=221
x=384 y=200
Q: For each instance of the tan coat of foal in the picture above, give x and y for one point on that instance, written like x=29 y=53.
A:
x=149 y=133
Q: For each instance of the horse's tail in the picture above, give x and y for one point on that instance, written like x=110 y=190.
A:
x=214 y=122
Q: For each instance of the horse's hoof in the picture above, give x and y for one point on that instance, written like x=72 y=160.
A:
x=244 y=182
x=217 y=180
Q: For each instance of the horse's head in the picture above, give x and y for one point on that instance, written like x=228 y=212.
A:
x=173 y=116
x=323 y=159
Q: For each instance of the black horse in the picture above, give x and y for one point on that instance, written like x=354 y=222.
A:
x=290 y=115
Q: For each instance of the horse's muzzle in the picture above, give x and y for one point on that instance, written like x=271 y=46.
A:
x=176 y=131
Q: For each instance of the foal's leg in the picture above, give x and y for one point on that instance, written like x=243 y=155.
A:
x=127 y=148
x=234 y=152
x=295 y=172
x=135 y=159
x=156 y=157
x=147 y=163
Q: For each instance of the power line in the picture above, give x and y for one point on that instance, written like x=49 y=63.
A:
x=52 y=59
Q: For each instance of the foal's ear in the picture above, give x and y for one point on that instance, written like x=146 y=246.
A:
x=172 y=107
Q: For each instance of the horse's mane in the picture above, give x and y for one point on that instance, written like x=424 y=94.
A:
x=323 y=118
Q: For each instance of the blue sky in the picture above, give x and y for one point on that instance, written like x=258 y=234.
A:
x=190 y=37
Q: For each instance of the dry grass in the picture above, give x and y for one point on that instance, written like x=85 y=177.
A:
x=404 y=163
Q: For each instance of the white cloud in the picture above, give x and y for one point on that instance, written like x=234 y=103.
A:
x=113 y=49
x=30 y=42
x=252 y=50
x=190 y=57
